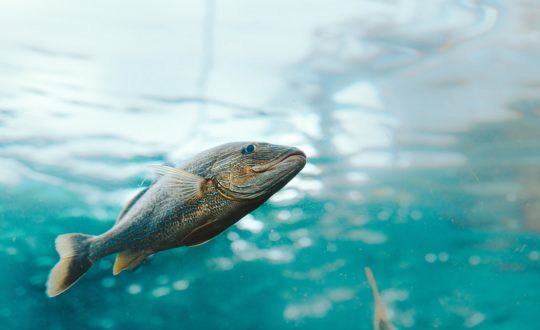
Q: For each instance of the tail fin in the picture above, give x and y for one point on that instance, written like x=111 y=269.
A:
x=74 y=262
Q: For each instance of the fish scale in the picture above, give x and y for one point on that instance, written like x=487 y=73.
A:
x=185 y=206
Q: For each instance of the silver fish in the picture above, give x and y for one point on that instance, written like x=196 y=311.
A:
x=185 y=206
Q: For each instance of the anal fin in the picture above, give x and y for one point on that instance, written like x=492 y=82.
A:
x=128 y=260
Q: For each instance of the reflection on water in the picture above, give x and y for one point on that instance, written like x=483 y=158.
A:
x=421 y=121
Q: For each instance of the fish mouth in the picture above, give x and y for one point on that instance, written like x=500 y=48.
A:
x=268 y=178
x=295 y=156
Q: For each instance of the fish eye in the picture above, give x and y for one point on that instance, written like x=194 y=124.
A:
x=249 y=149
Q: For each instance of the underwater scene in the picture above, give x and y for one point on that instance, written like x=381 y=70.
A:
x=418 y=206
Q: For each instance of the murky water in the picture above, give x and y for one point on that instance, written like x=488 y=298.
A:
x=421 y=120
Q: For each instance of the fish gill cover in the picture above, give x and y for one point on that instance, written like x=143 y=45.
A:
x=420 y=120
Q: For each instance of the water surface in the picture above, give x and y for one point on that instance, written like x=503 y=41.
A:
x=421 y=121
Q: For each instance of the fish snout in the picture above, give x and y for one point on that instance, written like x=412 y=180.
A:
x=293 y=156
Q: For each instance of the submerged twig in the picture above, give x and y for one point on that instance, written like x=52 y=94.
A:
x=380 y=319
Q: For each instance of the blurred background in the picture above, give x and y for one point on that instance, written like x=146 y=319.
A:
x=421 y=121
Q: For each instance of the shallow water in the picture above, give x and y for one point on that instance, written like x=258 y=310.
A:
x=421 y=121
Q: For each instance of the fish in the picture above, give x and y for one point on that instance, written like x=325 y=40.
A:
x=380 y=319
x=185 y=206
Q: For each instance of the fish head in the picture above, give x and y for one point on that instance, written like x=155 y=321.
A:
x=252 y=170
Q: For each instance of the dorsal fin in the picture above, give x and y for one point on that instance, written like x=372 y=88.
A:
x=129 y=204
x=128 y=260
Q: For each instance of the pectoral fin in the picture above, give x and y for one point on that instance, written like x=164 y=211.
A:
x=188 y=184
x=128 y=260
x=203 y=234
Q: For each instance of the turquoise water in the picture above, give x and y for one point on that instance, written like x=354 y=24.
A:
x=421 y=121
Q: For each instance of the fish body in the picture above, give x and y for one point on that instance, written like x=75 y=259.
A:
x=185 y=206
